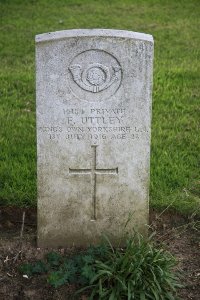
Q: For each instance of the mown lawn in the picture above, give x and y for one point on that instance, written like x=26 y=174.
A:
x=176 y=106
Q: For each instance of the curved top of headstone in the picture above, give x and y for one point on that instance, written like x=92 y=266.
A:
x=59 y=35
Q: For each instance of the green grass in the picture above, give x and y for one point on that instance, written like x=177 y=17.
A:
x=175 y=146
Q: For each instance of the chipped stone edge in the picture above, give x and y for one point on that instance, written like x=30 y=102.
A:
x=59 y=35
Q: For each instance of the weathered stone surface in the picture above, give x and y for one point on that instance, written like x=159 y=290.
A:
x=93 y=134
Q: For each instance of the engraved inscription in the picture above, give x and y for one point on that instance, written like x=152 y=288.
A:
x=93 y=171
x=94 y=72
x=94 y=125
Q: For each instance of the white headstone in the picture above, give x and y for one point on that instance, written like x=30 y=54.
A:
x=93 y=134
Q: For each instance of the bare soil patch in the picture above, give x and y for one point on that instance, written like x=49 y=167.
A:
x=172 y=229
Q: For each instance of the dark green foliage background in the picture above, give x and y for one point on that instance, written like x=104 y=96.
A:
x=175 y=143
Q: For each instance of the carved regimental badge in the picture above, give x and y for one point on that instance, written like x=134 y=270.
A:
x=95 y=72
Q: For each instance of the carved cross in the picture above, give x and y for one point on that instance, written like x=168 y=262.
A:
x=93 y=171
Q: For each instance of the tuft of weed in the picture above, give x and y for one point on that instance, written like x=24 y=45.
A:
x=139 y=271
